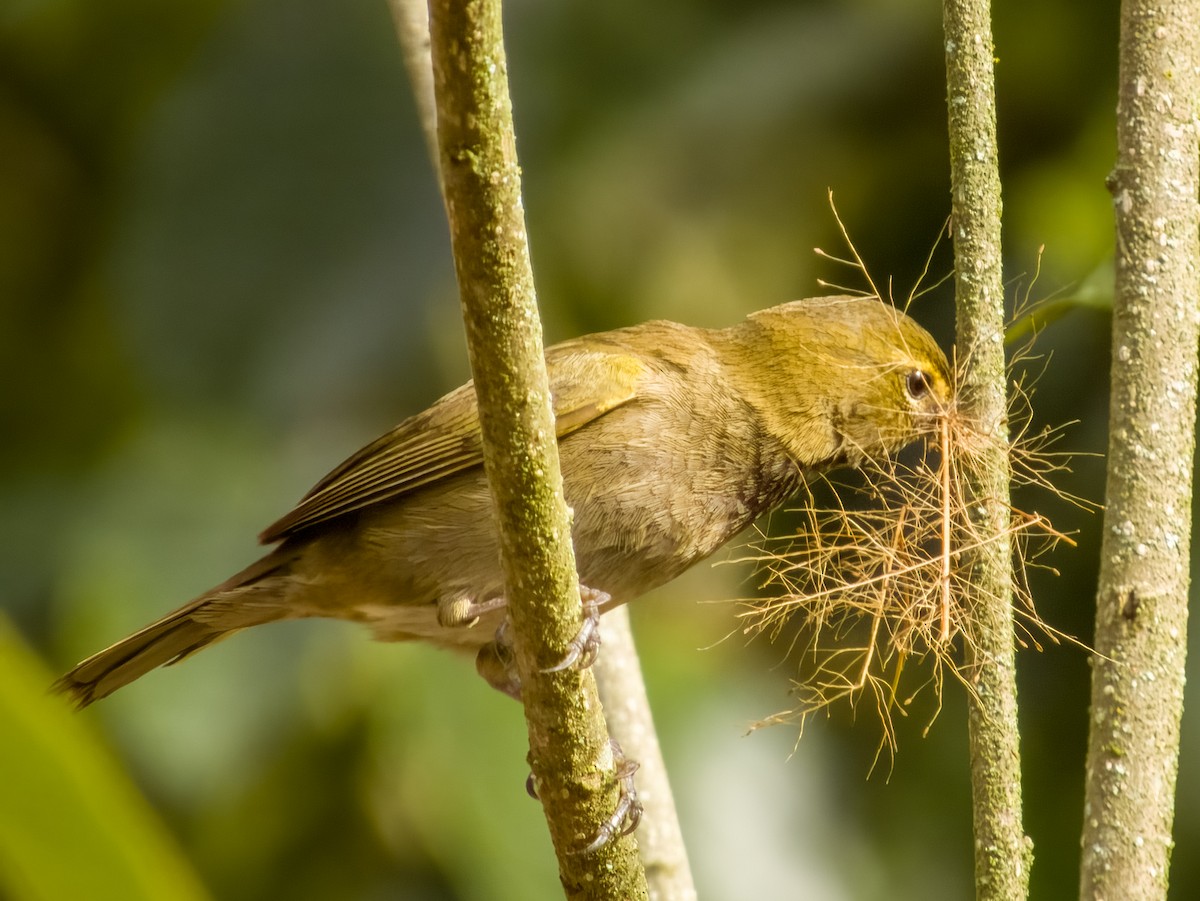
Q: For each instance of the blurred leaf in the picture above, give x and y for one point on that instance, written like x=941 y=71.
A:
x=1095 y=292
x=72 y=825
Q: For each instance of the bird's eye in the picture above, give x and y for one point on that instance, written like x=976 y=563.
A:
x=917 y=384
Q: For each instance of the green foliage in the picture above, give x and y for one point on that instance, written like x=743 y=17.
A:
x=72 y=824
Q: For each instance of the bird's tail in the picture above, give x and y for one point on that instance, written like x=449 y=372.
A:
x=248 y=599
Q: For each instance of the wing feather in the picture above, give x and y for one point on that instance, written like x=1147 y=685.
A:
x=588 y=378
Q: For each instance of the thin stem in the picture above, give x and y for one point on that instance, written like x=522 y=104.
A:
x=1003 y=855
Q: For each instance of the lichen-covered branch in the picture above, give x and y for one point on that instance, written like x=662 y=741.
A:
x=1141 y=608
x=569 y=748
x=1003 y=854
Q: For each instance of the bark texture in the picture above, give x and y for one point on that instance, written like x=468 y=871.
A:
x=569 y=755
x=627 y=711
x=1003 y=853
x=1141 y=608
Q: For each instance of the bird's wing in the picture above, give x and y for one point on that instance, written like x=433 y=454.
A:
x=587 y=379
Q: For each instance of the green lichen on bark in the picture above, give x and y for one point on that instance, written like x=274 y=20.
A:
x=1003 y=854
x=569 y=751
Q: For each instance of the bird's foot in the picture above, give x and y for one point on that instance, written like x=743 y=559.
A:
x=458 y=611
x=628 y=812
x=626 y=815
x=582 y=651
x=497 y=662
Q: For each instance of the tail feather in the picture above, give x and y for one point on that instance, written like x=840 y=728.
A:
x=172 y=638
x=212 y=616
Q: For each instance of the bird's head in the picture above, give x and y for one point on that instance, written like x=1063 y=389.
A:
x=847 y=378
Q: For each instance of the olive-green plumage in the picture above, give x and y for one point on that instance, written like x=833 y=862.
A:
x=672 y=439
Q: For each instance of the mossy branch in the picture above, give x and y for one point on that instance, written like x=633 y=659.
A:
x=1003 y=854
x=1141 y=608
x=569 y=755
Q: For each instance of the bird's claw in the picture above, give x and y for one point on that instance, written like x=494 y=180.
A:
x=585 y=646
x=628 y=812
x=497 y=663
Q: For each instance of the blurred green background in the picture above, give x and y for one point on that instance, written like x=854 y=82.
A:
x=224 y=267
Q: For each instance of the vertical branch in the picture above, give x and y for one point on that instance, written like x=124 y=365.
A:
x=1141 y=608
x=617 y=670
x=411 y=18
x=627 y=711
x=569 y=752
x=1003 y=855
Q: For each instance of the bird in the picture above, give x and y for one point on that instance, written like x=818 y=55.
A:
x=673 y=439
